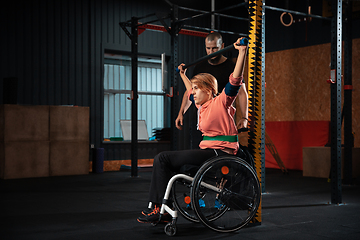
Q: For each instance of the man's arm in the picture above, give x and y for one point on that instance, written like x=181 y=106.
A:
x=185 y=104
x=244 y=106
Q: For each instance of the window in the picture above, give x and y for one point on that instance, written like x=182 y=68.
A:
x=117 y=88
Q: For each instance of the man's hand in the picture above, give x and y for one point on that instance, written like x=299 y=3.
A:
x=242 y=123
x=179 y=121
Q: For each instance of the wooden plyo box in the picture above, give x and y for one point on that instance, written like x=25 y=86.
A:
x=24 y=123
x=42 y=141
x=69 y=158
x=24 y=159
x=317 y=162
x=69 y=123
x=24 y=141
x=69 y=140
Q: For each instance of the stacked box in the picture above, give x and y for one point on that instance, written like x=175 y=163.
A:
x=69 y=140
x=24 y=143
x=317 y=162
x=41 y=141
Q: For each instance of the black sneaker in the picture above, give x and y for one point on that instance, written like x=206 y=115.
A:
x=146 y=211
x=150 y=217
x=154 y=216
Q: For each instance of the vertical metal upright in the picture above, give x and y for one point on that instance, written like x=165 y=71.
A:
x=336 y=44
x=348 y=88
x=212 y=15
x=134 y=97
x=263 y=179
x=173 y=76
x=133 y=35
x=254 y=88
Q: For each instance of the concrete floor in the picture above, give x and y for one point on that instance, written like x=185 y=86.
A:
x=106 y=205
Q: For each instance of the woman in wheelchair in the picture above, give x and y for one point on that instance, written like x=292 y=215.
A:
x=215 y=121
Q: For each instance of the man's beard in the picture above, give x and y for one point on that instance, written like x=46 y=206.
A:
x=215 y=60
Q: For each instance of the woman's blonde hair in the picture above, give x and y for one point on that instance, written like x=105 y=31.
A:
x=206 y=82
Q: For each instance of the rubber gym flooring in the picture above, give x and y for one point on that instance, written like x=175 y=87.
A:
x=106 y=205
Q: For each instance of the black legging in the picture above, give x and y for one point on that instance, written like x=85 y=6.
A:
x=169 y=162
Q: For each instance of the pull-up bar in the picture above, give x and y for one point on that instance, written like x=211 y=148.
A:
x=243 y=42
x=216 y=12
x=219 y=31
x=146 y=16
x=296 y=12
x=159 y=28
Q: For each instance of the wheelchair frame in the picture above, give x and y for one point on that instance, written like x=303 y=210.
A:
x=230 y=195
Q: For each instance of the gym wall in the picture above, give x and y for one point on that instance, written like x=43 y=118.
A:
x=54 y=51
x=297 y=109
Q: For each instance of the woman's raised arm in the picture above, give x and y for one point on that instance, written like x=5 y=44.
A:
x=185 y=79
x=240 y=62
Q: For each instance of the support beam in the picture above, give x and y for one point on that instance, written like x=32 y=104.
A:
x=263 y=133
x=212 y=15
x=216 y=30
x=174 y=77
x=296 y=12
x=134 y=99
x=160 y=28
x=336 y=49
x=347 y=109
x=214 y=12
x=254 y=89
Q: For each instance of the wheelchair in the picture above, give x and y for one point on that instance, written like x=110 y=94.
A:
x=224 y=195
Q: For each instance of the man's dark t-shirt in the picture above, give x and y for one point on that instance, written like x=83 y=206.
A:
x=221 y=71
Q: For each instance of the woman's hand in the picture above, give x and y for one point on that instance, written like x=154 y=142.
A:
x=181 y=68
x=240 y=47
x=240 y=62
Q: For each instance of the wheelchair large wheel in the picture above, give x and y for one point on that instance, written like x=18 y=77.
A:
x=182 y=201
x=181 y=191
x=231 y=193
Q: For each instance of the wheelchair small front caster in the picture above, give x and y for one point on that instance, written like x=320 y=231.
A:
x=170 y=229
